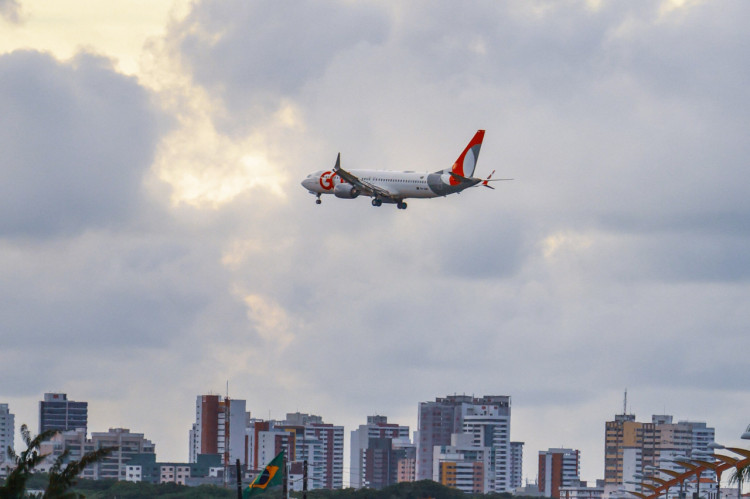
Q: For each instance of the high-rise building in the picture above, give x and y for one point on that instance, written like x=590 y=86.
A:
x=406 y=458
x=438 y=420
x=304 y=437
x=58 y=413
x=463 y=465
x=380 y=454
x=485 y=419
x=558 y=468
x=636 y=448
x=321 y=445
x=7 y=432
x=516 y=465
x=219 y=428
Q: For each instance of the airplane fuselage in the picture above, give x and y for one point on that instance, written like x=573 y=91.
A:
x=394 y=186
x=402 y=185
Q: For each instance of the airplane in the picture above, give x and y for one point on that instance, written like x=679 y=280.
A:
x=394 y=186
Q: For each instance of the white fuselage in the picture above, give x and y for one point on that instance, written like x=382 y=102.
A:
x=400 y=184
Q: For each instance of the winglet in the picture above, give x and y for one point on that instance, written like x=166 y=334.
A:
x=338 y=163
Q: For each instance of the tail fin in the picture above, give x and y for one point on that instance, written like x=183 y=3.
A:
x=467 y=161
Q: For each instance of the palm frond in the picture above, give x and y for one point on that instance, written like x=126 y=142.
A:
x=61 y=480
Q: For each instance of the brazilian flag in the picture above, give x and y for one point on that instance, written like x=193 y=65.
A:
x=272 y=476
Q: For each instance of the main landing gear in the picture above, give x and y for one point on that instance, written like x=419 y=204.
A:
x=378 y=202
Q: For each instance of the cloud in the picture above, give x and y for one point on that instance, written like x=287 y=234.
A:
x=273 y=49
x=77 y=143
x=10 y=10
x=614 y=259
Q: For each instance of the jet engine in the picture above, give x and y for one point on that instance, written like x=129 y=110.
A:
x=345 y=191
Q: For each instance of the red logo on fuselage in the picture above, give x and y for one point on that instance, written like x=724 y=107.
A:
x=327 y=180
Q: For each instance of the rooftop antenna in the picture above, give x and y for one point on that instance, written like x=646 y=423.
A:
x=625 y=403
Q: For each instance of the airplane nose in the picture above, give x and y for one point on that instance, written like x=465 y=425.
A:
x=308 y=183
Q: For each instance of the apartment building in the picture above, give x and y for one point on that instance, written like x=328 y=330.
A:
x=558 y=468
x=219 y=428
x=58 y=413
x=374 y=458
x=7 y=432
x=485 y=419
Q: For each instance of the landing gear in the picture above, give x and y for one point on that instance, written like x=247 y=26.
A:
x=318 y=201
x=376 y=202
x=401 y=205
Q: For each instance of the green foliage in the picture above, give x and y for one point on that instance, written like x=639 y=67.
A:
x=424 y=489
x=130 y=490
x=15 y=483
x=740 y=476
x=59 y=480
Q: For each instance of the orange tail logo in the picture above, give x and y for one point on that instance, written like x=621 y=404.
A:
x=467 y=161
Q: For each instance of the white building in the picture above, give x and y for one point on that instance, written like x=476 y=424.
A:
x=320 y=444
x=516 y=465
x=219 y=428
x=581 y=491
x=304 y=437
x=7 y=432
x=76 y=443
x=377 y=429
x=486 y=419
x=127 y=445
x=489 y=424
x=113 y=466
x=463 y=465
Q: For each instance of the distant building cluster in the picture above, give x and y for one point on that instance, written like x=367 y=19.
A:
x=461 y=441
x=464 y=442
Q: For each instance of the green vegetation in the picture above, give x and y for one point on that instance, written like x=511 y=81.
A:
x=130 y=490
x=740 y=476
x=423 y=489
x=58 y=481
x=126 y=490
x=15 y=483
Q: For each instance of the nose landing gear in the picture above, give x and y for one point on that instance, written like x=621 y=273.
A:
x=317 y=200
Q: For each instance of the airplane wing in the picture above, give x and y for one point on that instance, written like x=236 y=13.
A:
x=365 y=187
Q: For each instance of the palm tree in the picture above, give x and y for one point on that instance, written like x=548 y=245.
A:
x=740 y=475
x=15 y=483
x=60 y=479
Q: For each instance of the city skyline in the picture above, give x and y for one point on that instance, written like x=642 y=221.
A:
x=155 y=242
x=530 y=456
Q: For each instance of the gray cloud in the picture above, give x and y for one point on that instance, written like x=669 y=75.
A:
x=10 y=10
x=77 y=143
x=270 y=49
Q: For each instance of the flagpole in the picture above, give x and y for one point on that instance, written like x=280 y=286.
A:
x=239 y=480
x=285 y=480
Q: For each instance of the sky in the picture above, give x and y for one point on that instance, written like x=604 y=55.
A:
x=155 y=242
